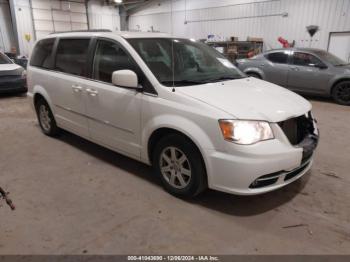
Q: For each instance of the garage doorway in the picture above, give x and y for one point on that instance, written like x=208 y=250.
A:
x=339 y=45
x=57 y=16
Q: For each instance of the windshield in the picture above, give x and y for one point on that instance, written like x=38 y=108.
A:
x=330 y=58
x=4 y=59
x=194 y=62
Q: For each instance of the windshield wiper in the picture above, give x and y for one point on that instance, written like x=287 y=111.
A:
x=182 y=82
x=225 y=78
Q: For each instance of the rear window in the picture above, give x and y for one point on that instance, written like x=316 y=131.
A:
x=279 y=58
x=72 y=55
x=41 y=56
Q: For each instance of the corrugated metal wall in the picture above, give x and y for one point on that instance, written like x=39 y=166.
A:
x=6 y=31
x=103 y=16
x=242 y=18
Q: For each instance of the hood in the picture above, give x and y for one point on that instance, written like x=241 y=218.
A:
x=250 y=99
x=343 y=69
x=10 y=69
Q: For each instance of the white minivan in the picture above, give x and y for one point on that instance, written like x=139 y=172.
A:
x=176 y=104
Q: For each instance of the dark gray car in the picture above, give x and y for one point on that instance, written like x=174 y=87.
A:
x=303 y=70
x=12 y=76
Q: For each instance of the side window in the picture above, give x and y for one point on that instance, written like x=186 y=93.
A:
x=279 y=57
x=304 y=59
x=110 y=57
x=41 y=56
x=72 y=55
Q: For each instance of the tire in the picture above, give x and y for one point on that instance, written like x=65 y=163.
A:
x=255 y=75
x=180 y=166
x=46 y=119
x=341 y=93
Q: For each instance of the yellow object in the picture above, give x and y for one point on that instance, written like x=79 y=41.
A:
x=28 y=37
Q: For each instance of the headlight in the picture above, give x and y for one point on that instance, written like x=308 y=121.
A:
x=245 y=132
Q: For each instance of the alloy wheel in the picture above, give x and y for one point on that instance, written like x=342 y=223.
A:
x=343 y=92
x=45 y=119
x=175 y=167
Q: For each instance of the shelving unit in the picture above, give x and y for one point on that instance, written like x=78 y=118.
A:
x=238 y=49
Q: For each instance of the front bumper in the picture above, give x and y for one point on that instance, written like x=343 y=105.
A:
x=12 y=84
x=260 y=168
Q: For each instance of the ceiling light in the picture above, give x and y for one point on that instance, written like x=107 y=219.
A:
x=118 y=1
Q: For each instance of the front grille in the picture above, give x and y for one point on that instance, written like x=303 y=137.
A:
x=296 y=129
x=300 y=131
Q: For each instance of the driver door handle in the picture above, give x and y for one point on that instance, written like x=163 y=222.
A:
x=92 y=92
x=77 y=88
x=295 y=68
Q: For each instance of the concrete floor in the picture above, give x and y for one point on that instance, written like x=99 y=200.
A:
x=75 y=197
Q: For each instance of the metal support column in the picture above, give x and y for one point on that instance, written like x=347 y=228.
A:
x=14 y=23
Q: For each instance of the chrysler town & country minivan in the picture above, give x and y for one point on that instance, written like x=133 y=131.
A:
x=176 y=104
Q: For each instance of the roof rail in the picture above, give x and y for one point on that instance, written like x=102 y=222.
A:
x=83 y=31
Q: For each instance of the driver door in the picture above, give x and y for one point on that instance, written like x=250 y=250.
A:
x=305 y=74
x=114 y=113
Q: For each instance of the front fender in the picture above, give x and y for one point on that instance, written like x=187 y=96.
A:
x=180 y=124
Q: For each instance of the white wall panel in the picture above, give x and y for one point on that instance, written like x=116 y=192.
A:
x=7 y=39
x=243 y=18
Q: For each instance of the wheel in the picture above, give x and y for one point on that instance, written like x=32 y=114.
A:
x=341 y=93
x=255 y=75
x=179 y=165
x=45 y=117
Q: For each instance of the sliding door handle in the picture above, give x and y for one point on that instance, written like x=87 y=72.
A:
x=295 y=68
x=92 y=92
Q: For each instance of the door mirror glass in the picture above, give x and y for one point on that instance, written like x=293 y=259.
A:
x=321 y=66
x=125 y=78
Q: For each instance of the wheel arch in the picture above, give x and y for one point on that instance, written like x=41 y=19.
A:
x=336 y=82
x=165 y=131
x=40 y=92
x=255 y=71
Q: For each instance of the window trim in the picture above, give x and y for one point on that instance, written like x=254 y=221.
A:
x=151 y=91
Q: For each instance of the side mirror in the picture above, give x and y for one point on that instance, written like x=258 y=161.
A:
x=125 y=78
x=321 y=66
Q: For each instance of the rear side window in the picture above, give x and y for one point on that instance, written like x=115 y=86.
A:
x=279 y=58
x=42 y=54
x=72 y=56
x=304 y=59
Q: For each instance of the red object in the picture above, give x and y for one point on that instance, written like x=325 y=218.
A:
x=284 y=42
